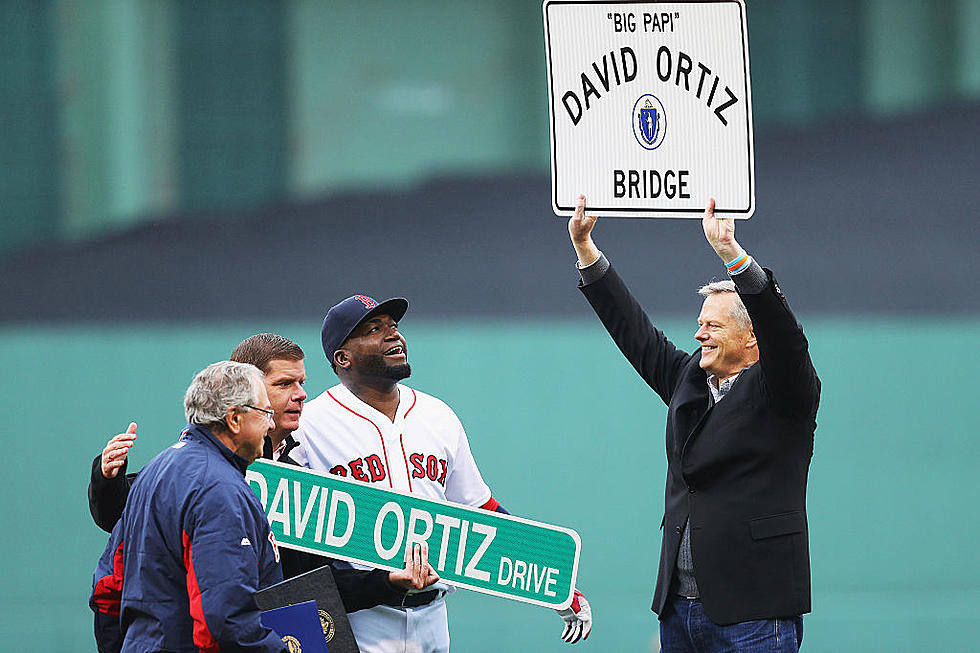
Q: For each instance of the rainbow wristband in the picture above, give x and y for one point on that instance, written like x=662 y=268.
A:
x=740 y=264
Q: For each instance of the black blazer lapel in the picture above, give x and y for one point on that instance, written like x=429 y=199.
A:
x=692 y=407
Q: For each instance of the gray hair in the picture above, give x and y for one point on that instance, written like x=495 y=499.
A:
x=217 y=388
x=738 y=312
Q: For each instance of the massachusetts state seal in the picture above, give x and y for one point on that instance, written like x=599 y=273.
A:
x=329 y=628
x=649 y=122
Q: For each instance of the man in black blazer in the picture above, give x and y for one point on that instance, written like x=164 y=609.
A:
x=734 y=560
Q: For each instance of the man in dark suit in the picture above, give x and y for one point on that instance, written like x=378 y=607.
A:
x=734 y=561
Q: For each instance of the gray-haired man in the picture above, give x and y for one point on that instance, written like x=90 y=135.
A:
x=734 y=562
x=193 y=543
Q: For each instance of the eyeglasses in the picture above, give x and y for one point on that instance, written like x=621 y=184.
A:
x=268 y=413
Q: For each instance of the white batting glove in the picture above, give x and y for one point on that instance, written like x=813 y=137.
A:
x=578 y=619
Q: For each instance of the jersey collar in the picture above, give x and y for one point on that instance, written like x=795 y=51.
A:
x=342 y=394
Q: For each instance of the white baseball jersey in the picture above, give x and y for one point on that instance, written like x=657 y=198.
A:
x=423 y=451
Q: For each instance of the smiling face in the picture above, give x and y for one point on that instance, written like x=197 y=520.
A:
x=375 y=349
x=727 y=347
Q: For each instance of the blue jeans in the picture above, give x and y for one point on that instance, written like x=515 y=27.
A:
x=684 y=628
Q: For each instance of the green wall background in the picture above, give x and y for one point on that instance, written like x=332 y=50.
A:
x=120 y=112
x=564 y=432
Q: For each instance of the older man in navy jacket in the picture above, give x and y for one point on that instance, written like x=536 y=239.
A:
x=194 y=544
x=734 y=562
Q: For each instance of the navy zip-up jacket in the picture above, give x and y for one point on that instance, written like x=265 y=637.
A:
x=191 y=549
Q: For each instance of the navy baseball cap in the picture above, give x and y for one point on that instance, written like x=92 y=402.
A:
x=343 y=318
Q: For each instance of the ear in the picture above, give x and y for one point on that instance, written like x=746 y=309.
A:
x=342 y=359
x=750 y=342
x=234 y=419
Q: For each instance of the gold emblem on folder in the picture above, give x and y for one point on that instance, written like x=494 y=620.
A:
x=329 y=628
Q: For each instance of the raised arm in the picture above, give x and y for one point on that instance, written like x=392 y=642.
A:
x=791 y=380
x=647 y=349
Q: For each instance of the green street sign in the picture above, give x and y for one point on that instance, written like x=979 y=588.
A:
x=485 y=551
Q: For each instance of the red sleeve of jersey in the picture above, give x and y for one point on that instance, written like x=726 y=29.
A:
x=494 y=506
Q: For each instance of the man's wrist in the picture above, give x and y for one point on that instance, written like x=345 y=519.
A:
x=738 y=262
x=587 y=253
x=595 y=270
x=752 y=280
x=587 y=260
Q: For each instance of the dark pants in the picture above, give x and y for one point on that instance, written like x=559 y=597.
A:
x=684 y=628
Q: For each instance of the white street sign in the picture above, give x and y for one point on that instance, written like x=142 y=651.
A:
x=651 y=107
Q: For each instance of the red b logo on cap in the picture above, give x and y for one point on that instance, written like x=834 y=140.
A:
x=367 y=301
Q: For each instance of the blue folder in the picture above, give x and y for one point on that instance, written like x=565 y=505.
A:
x=299 y=627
